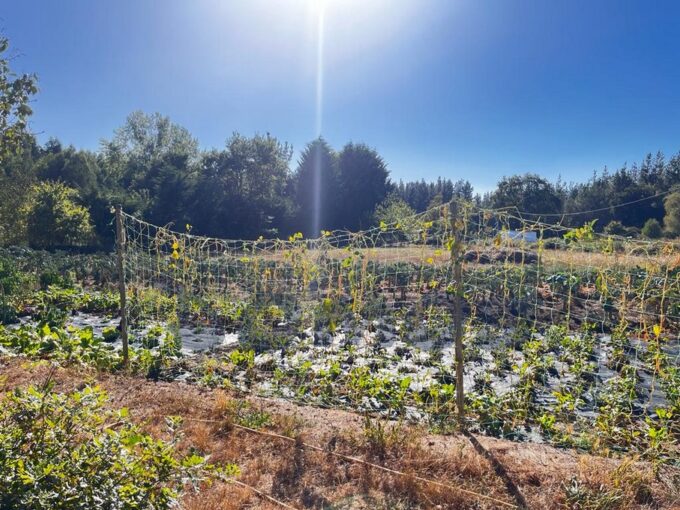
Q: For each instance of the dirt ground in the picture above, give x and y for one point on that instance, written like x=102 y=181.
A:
x=435 y=471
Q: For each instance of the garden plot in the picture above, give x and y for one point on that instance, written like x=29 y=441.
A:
x=513 y=379
x=192 y=340
x=518 y=383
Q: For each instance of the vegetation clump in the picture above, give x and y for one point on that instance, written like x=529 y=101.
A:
x=67 y=452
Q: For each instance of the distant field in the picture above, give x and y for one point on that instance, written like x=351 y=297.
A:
x=551 y=259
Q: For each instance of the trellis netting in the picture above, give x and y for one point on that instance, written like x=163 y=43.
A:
x=552 y=314
x=515 y=271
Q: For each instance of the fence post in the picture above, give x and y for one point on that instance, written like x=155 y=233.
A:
x=456 y=261
x=120 y=247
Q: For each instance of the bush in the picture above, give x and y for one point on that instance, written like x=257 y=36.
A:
x=615 y=228
x=12 y=284
x=55 y=219
x=66 y=451
x=394 y=211
x=671 y=220
x=652 y=229
x=51 y=277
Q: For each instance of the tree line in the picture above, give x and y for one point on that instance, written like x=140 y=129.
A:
x=640 y=199
x=155 y=170
x=53 y=195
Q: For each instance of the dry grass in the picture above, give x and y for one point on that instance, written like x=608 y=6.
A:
x=553 y=259
x=556 y=259
x=306 y=478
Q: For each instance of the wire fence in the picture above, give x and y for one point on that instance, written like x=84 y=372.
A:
x=564 y=328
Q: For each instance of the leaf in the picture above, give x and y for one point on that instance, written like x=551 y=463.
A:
x=192 y=461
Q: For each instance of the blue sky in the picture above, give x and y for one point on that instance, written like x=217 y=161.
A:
x=457 y=88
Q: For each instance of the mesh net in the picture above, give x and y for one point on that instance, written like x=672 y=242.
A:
x=556 y=318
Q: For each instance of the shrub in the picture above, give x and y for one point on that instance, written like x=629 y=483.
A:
x=12 y=283
x=652 y=229
x=615 y=228
x=55 y=219
x=66 y=451
x=671 y=220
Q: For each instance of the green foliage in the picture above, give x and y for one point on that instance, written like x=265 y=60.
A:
x=420 y=195
x=581 y=496
x=528 y=193
x=652 y=229
x=16 y=286
x=362 y=183
x=154 y=168
x=15 y=95
x=16 y=148
x=76 y=169
x=12 y=279
x=316 y=185
x=243 y=413
x=671 y=220
x=60 y=268
x=581 y=234
x=75 y=298
x=67 y=452
x=615 y=228
x=55 y=219
x=70 y=345
x=62 y=344
x=393 y=212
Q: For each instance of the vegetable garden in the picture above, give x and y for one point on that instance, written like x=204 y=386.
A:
x=571 y=338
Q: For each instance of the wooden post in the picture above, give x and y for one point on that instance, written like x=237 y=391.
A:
x=120 y=247
x=456 y=260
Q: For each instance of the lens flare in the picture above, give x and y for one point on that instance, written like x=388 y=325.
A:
x=316 y=199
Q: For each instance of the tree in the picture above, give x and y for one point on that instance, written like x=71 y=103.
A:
x=15 y=93
x=316 y=188
x=528 y=193
x=391 y=211
x=362 y=180
x=243 y=191
x=652 y=229
x=15 y=166
x=143 y=141
x=76 y=169
x=17 y=177
x=55 y=219
x=421 y=194
x=150 y=165
x=397 y=217
x=671 y=220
